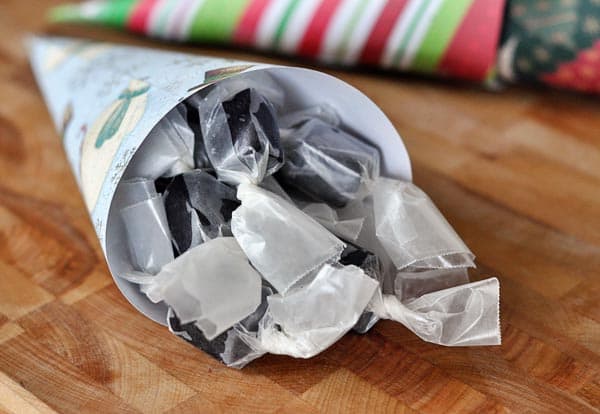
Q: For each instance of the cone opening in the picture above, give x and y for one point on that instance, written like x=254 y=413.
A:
x=302 y=88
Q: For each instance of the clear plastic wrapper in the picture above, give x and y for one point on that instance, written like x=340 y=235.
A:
x=189 y=109
x=168 y=150
x=367 y=239
x=370 y=264
x=147 y=230
x=282 y=242
x=309 y=319
x=324 y=112
x=212 y=285
x=230 y=346
x=409 y=285
x=465 y=315
x=270 y=184
x=139 y=278
x=259 y=80
x=198 y=208
x=238 y=350
x=413 y=231
x=327 y=164
x=240 y=131
x=135 y=190
x=341 y=222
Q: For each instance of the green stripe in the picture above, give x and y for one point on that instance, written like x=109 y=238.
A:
x=349 y=29
x=284 y=21
x=414 y=22
x=113 y=13
x=440 y=34
x=216 y=20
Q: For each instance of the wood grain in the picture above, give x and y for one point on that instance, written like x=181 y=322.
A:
x=516 y=172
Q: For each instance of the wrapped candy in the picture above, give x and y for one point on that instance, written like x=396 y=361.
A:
x=368 y=241
x=198 y=208
x=327 y=164
x=240 y=131
x=229 y=347
x=282 y=242
x=211 y=285
x=365 y=260
x=410 y=285
x=464 y=315
x=342 y=222
x=413 y=231
x=135 y=190
x=310 y=318
x=191 y=333
x=171 y=144
x=145 y=223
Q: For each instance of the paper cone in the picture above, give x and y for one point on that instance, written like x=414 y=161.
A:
x=106 y=98
x=456 y=38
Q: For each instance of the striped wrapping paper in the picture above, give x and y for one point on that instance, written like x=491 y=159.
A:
x=456 y=38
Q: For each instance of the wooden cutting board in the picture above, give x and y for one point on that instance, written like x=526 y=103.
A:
x=517 y=173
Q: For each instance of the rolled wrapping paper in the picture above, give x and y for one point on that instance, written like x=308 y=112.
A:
x=555 y=43
x=456 y=38
x=552 y=42
x=240 y=297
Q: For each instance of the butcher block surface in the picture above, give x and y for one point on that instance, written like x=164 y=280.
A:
x=516 y=172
